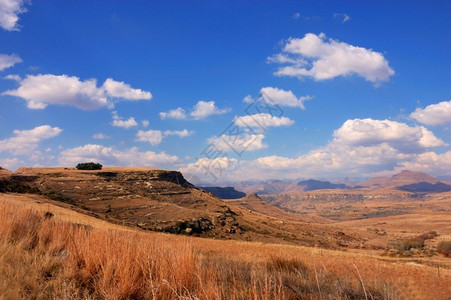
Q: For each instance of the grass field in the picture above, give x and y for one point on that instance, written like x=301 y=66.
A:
x=58 y=257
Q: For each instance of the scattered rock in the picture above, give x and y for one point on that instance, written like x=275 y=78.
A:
x=48 y=215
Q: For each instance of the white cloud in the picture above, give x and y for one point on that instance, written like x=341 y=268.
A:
x=119 y=89
x=42 y=90
x=201 y=110
x=9 y=11
x=262 y=120
x=26 y=141
x=14 y=77
x=238 y=143
x=342 y=17
x=296 y=15
x=330 y=58
x=369 y=132
x=281 y=58
x=118 y=122
x=211 y=170
x=180 y=133
x=435 y=114
x=113 y=157
x=145 y=123
x=429 y=162
x=130 y=122
x=280 y=97
x=100 y=136
x=10 y=163
x=154 y=137
x=7 y=61
x=359 y=148
x=178 y=114
x=332 y=161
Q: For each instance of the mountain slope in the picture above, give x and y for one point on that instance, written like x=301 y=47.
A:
x=403 y=178
x=223 y=192
x=161 y=200
x=255 y=203
x=280 y=186
x=426 y=187
x=312 y=185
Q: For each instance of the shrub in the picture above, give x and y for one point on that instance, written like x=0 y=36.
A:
x=89 y=166
x=413 y=243
x=444 y=248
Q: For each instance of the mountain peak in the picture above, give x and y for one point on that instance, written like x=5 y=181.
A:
x=412 y=175
x=402 y=178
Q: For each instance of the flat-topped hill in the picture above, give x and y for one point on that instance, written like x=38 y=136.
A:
x=160 y=200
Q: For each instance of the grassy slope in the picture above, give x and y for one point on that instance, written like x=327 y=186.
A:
x=53 y=258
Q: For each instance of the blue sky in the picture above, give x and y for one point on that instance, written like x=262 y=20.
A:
x=356 y=89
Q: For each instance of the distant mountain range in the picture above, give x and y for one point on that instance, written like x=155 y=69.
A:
x=224 y=192
x=279 y=186
x=426 y=187
x=409 y=181
x=404 y=178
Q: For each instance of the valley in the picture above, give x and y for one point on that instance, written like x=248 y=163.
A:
x=376 y=227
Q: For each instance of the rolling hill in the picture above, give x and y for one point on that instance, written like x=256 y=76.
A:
x=162 y=200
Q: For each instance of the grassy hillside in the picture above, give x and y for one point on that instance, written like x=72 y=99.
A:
x=55 y=257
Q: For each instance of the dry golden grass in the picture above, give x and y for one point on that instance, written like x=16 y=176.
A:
x=50 y=258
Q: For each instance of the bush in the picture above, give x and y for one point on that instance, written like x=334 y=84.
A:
x=444 y=248
x=89 y=166
x=413 y=243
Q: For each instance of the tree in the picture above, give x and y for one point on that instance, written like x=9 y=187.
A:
x=89 y=166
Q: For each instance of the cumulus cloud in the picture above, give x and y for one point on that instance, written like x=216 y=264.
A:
x=9 y=13
x=211 y=169
x=320 y=58
x=119 y=89
x=118 y=122
x=280 y=97
x=201 y=110
x=130 y=122
x=178 y=114
x=100 y=136
x=333 y=160
x=180 y=133
x=10 y=163
x=238 y=143
x=114 y=157
x=359 y=148
x=435 y=114
x=26 y=141
x=42 y=90
x=204 y=109
x=262 y=120
x=145 y=123
x=154 y=137
x=429 y=162
x=369 y=132
x=7 y=61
